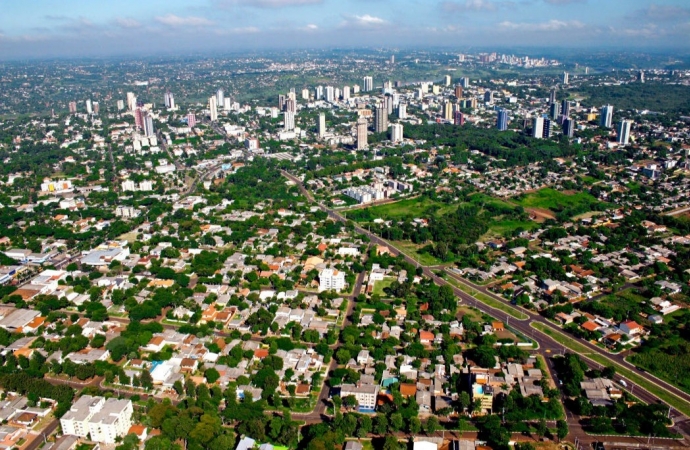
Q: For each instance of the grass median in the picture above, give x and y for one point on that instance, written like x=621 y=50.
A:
x=489 y=301
x=572 y=344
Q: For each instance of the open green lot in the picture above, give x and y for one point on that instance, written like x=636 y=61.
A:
x=489 y=301
x=379 y=286
x=413 y=207
x=506 y=227
x=556 y=201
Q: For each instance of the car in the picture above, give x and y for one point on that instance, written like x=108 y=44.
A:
x=623 y=383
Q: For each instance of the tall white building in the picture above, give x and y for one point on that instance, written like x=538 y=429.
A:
x=120 y=105
x=331 y=279
x=289 y=120
x=220 y=97
x=368 y=84
x=330 y=94
x=318 y=93
x=362 y=143
x=305 y=94
x=402 y=111
x=169 y=101
x=447 y=80
x=624 y=132
x=566 y=77
x=128 y=185
x=396 y=132
x=104 y=420
x=213 y=108
x=606 y=118
x=365 y=394
x=148 y=125
x=89 y=106
x=322 y=124
x=538 y=131
x=131 y=101
x=346 y=93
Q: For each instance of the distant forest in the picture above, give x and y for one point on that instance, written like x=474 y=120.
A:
x=668 y=98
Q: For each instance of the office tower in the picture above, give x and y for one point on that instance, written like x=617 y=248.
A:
x=131 y=101
x=458 y=118
x=488 y=97
x=289 y=120
x=169 y=100
x=220 y=97
x=362 y=134
x=139 y=118
x=396 y=132
x=355 y=89
x=465 y=82
x=281 y=102
x=89 y=106
x=606 y=118
x=554 y=110
x=368 y=84
x=640 y=76
x=120 y=105
x=566 y=77
x=346 y=93
x=191 y=119
x=148 y=125
x=447 y=80
x=330 y=94
x=458 y=91
x=448 y=111
x=72 y=107
x=547 y=128
x=552 y=97
x=538 y=130
x=291 y=105
x=569 y=127
x=388 y=101
x=305 y=94
x=502 y=119
x=624 y=132
x=402 y=111
x=96 y=108
x=380 y=119
x=213 y=108
x=565 y=108
x=318 y=93
x=322 y=124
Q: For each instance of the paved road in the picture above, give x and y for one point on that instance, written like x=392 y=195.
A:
x=41 y=436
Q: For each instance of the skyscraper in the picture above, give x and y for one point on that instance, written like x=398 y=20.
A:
x=380 y=119
x=139 y=118
x=131 y=101
x=640 y=76
x=388 y=102
x=392 y=59
x=448 y=111
x=96 y=108
x=552 y=97
x=566 y=77
x=554 y=110
x=458 y=91
x=606 y=118
x=291 y=105
x=148 y=125
x=72 y=107
x=89 y=106
x=330 y=94
x=305 y=94
x=368 y=84
x=502 y=119
x=120 y=105
x=465 y=82
x=362 y=134
x=289 y=120
x=281 y=102
x=624 y=132
x=402 y=111
x=458 y=118
x=488 y=96
x=346 y=93
x=565 y=108
x=318 y=93
x=220 y=97
x=213 y=108
x=547 y=128
x=538 y=129
x=569 y=127
x=169 y=100
x=191 y=120
x=396 y=132
x=322 y=124
x=447 y=80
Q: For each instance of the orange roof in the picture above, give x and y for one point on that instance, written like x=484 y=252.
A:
x=260 y=353
x=590 y=326
x=426 y=335
x=156 y=340
x=408 y=389
x=37 y=322
x=497 y=325
x=139 y=430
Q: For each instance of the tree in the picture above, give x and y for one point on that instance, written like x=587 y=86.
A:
x=432 y=425
x=146 y=379
x=541 y=428
x=414 y=425
x=397 y=421
x=391 y=443
x=561 y=429
x=212 y=375
x=350 y=402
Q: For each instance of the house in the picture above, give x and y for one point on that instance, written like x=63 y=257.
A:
x=426 y=337
x=630 y=327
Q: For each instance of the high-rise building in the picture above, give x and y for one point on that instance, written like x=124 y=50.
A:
x=346 y=93
x=362 y=134
x=191 y=120
x=547 y=128
x=220 y=97
x=461 y=58
x=355 y=89
x=368 y=84
x=289 y=120
x=448 y=111
x=96 y=108
x=569 y=127
x=169 y=100
x=458 y=91
x=131 y=101
x=624 y=132
x=566 y=77
x=502 y=119
x=447 y=80
x=606 y=118
x=640 y=76
x=330 y=94
x=281 y=102
x=72 y=107
x=554 y=110
x=392 y=59
x=565 y=108
x=227 y=104
x=465 y=82
x=120 y=105
x=89 y=106
x=538 y=129
x=380 y=119
x=318 y=93
x=148 y=125
x=291 y=105
x=552 y=97
x=402 y=111
x=305 y=94
x=388 y=102
x=473 y=102
x=322 y=124
x=488 y=96
x=213 y=108
x=139 y=118
x=458 y=118
x=396 y=132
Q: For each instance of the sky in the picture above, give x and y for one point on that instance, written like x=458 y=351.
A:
x=76 y=28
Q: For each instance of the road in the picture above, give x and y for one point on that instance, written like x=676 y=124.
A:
x=35 y=441
x=523 y=327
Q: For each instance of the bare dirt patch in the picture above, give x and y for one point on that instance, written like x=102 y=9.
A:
x=540 y=215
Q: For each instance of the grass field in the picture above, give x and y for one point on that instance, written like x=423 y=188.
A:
x=411 y=250
x=379 y=286
x=489 y=301
x=474 y=314
x=413 y=207
x=575 y=346
x=554 y=200
x=504 y=227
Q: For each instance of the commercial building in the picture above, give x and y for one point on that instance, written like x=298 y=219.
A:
x=624 y=132
x=368 y=84
x=538 y=129
x=502 y=119
x=606 y=118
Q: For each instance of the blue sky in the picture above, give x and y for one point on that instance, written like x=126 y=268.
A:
x=37 y=28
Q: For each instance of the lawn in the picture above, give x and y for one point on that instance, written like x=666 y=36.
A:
x=506 y=227
x=556 y=201
x=412 y=250
x=487 y=300
x=474 y=314
x=413 y=207
x=379 y=286
x=572 y=344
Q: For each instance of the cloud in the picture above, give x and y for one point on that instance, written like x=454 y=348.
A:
x=267 y=3
x=365 y=22
x=177 y=21
x=661 y=12
x=127 y=22
x=551 y=25
x=310 y=27
x=468 y=5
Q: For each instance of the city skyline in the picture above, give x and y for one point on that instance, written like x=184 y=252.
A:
x=38 y=29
